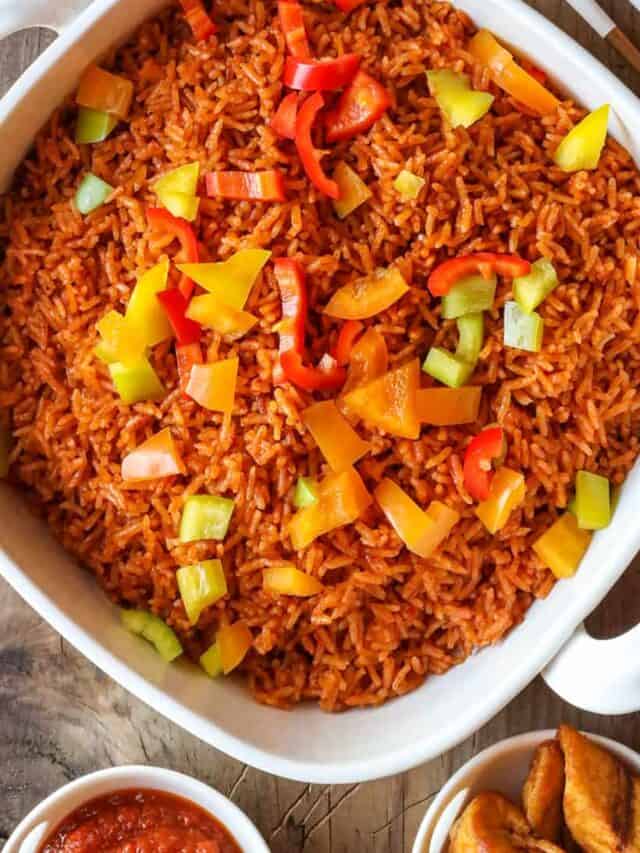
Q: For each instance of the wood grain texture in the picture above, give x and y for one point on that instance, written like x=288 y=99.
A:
x=60 y=717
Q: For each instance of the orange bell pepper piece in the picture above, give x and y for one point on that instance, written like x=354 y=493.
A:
x=506 y=493
x=287 y=580
x=510 y=76
x=157 y=457
x=369 y=359
x=342 y=498
x=340 y=444
x=422 y=532
x=390 y=402
x=214 y=385
x=105 y=92
x=448 y=406
x=365 y=297
x=234 y=641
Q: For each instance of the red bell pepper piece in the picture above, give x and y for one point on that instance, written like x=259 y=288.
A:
x=446 y=274
x=186 y=356
x=347 y=6
x=198 y=19
x=175 y=305
x=284 y=120
x=320 y=74
x=346 y=339
x=311 y=378
x=246 y=186
x=161 y=220
x=358 y=108
x=292 y=23
x=484 y=450
x=309 y=155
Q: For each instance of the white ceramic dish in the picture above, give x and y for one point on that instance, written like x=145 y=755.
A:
x=33 y=830
x=308 y=744
x=502 y=767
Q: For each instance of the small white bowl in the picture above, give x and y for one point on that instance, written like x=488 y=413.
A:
x=33 y=830
x=502 y=767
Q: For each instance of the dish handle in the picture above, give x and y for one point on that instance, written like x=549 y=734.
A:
x=602 y=676
x=55 y=15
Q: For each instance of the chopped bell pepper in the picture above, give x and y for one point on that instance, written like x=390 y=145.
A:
x=339 y=443
x=521 y=330
x=447 y=368
x=284 y=120
x=144 y=312
x=470 y=338
x=120 y=341
x=449 y=406
x=93 y=125
x=214 y=385
x=164 y=222
x=359 y=107
x=187 y=331
x=422 y=532
x=593 y=501
x=232 y=279
x=186 y=356
x=346 y=340
x=177 y=191
x=156 y=457
x=562 y=547
x=389 y=402
x=530 y=290
x=205 y=517
x=581 y=148
x=368 y=296
x=469 y=296
x=506 y=493
x=507 y=74
x=155 y=631
x=293 y=296
x=448 y=273
x=485 y=450
x=292 y=24
x=347 y=6
x=310 y=156
x=353 y=190
x=342 y=498
x=369 y=359
x=327 y=377
x=234 y=642
x=408 y=184
x=137 y=382
x=315 y=75
x=5 y=447
x=210 y=310
x=201 y=585
x=306 y=492
x=246 y=186
x=196 y=15
x=211 y=661
x=92 y=193
x=105 y=92
x=461 y=104
x=287 y=580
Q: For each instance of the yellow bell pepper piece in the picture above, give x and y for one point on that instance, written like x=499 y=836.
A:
x=581 y=148
x=136 y=382
x=145 y=315
x=177 y=191
x=232 y=279
x=461 y=104
x=368 y=296
x=214 y=385
x=211 y=661
x=353 y=190
x=200 y=586
x=510 y=76
x=422 y=532
x=563 y=546
x=342 y=498
x=408 y=184
x=287 y=580
x=234 y=641
x=506 y=493
x=449 y=406
x=389 y=402
x=340 y=444
x=120 y=341
x=209 y=310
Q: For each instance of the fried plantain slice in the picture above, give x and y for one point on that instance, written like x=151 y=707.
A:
x=543 y=790
x=493 y=824
x=601 y=798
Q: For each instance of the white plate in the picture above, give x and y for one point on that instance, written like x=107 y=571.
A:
x=308 y=744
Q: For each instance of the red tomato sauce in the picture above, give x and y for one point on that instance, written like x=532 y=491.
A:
x=140 y=821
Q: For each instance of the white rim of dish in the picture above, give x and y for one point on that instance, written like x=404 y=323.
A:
x=528 y=740
x=232 y=818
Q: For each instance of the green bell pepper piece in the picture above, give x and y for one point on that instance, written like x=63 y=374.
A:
x=593 y=501
x=447 y=367
x=532 y=289
x=306 y=492
x=471 y=337
x=153 y=629
x=93 y=125
x=522 y=331
x=205 y=517
x=91 y=193
x=201 y=585
x=469 y=296
x=136 y=382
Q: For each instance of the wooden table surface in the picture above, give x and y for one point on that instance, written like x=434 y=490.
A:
x=60 y=717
